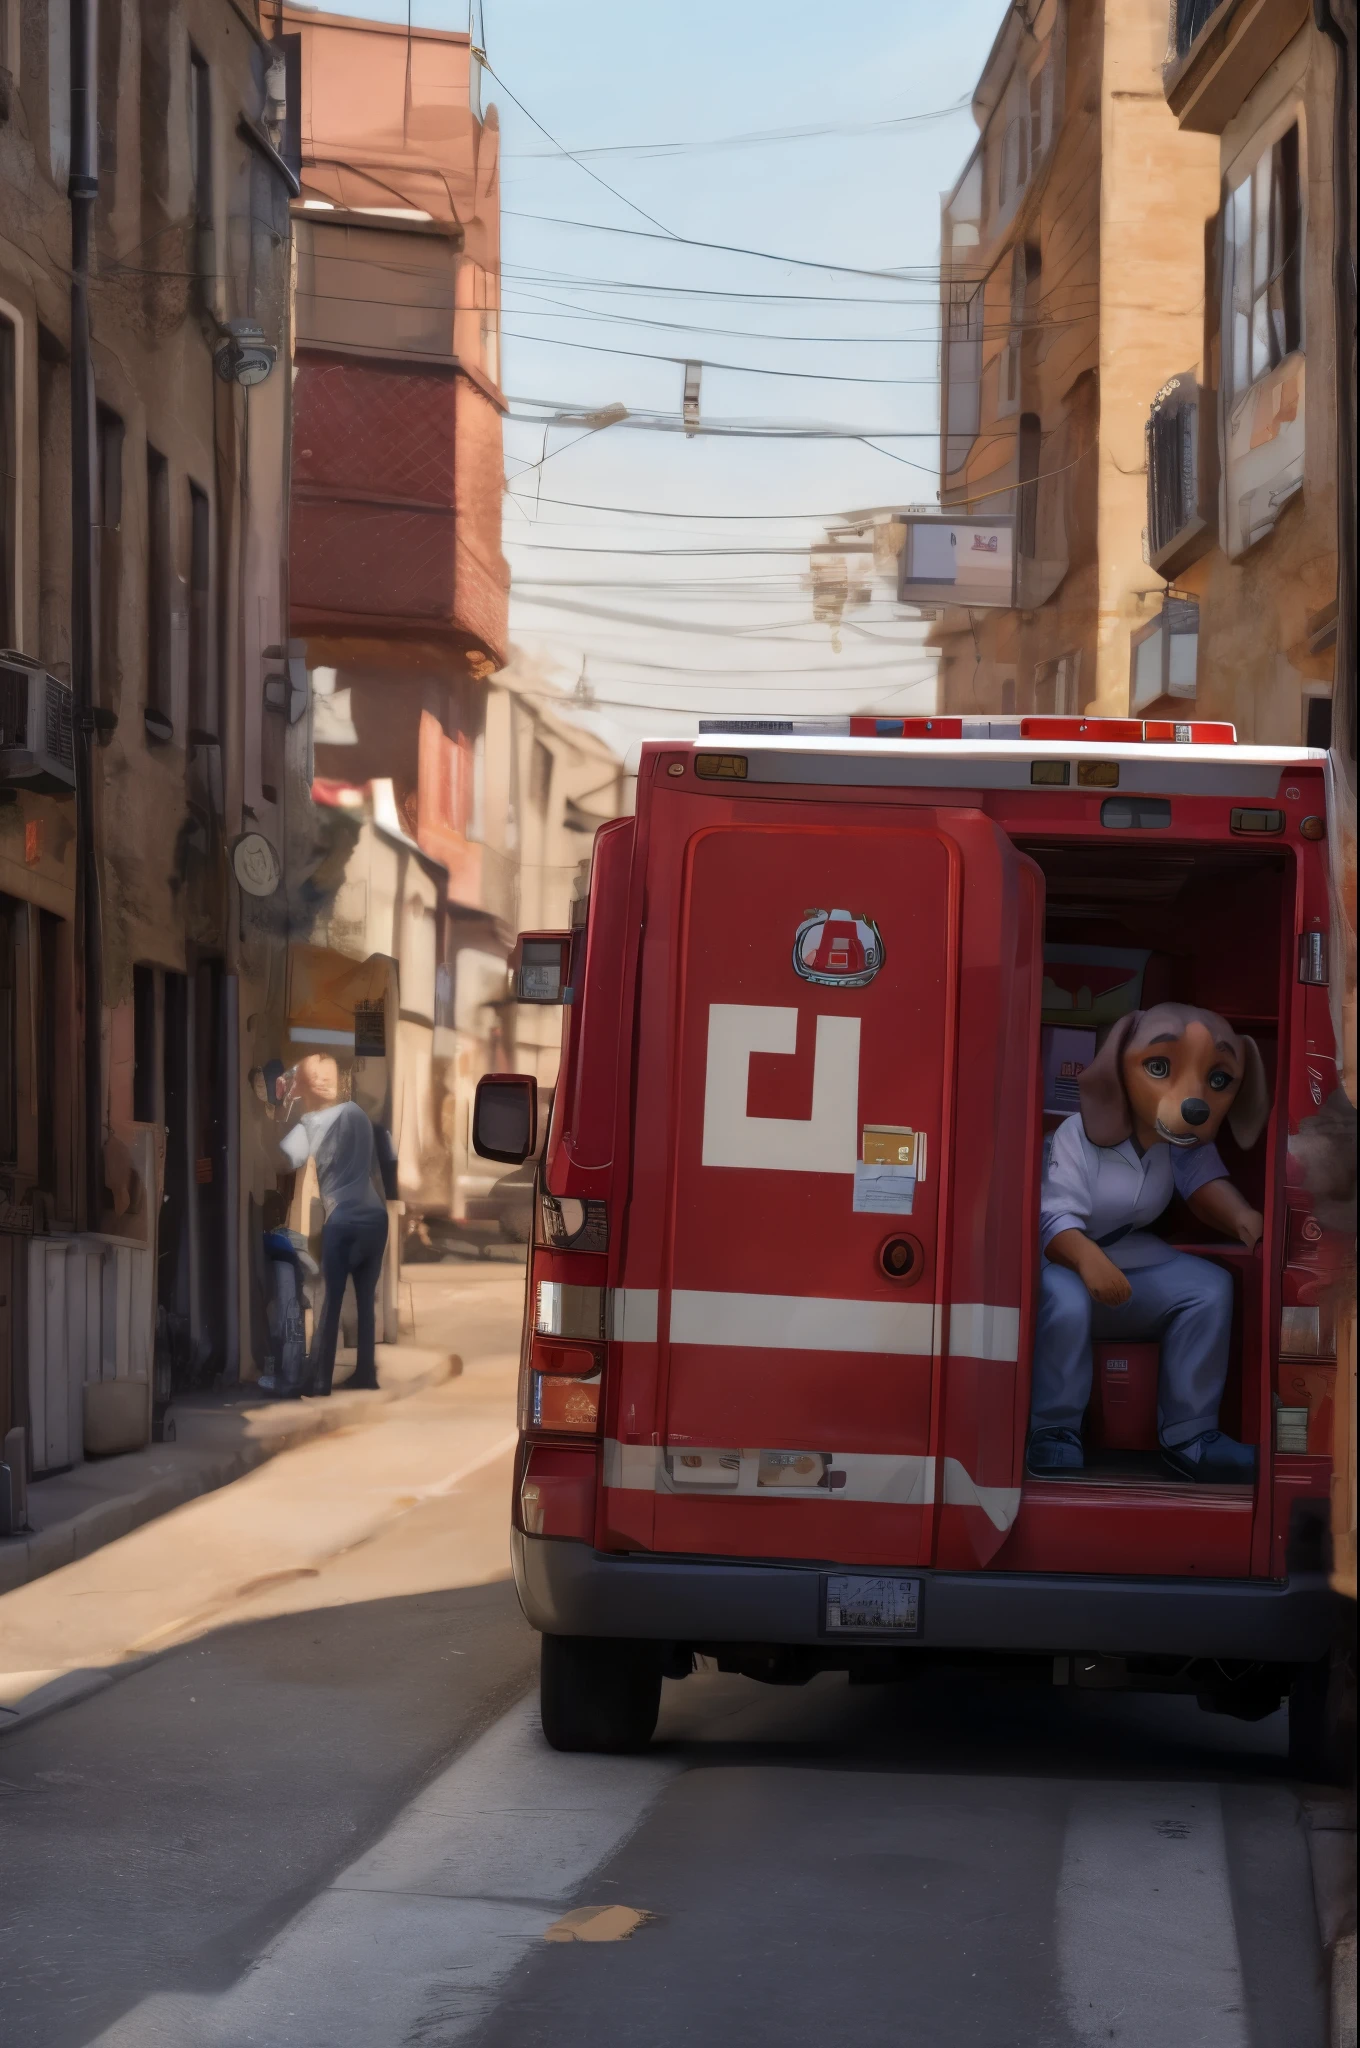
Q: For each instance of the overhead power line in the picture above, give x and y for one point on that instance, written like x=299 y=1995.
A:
x=562 y=151
x=755 y=138
x=669 y=512
x=906 y=274
x=643 y=355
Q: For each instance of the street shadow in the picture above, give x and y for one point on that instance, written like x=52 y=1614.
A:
x=159 y=1834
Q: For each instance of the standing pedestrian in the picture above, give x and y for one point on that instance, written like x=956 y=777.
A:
x=339 y=1137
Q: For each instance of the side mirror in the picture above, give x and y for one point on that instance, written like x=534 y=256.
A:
x=541 y=967
x=505 y=1117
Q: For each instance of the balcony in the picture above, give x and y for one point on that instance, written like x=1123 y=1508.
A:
x=1220 y=51
x=1182 y=473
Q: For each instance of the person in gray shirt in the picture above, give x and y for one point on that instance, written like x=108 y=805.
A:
x=340 y=1138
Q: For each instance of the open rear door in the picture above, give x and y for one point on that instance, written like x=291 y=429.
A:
x=850 y=1203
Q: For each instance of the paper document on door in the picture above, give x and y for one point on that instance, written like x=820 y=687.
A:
x=884 y=1190
x=892 y=1160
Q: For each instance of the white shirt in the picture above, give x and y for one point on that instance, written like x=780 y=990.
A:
x=1100 y=1189
x=340 y=1139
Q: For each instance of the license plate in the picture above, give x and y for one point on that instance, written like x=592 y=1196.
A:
x=862 y=1606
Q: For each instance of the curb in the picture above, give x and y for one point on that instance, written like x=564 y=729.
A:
x=24 y=1559
x=1330 y=1823
x=1343 y=1993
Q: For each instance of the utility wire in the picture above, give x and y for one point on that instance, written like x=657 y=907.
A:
x=754 y=138
x=907 y=274
x=643 y=355
x=641 y=211
x=669 y=512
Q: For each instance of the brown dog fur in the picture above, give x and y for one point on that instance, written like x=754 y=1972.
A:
x=1118 y=1095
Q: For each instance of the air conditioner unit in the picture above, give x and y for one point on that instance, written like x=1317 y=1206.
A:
x=37 y=726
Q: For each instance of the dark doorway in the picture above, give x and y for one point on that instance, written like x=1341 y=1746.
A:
x=173 y=1246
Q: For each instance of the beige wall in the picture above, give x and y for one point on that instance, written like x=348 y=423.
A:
x=1115 y=214
x=1260 y=608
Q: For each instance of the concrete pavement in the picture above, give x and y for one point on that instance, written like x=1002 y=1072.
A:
x=312 y=1809
x=367 y=1459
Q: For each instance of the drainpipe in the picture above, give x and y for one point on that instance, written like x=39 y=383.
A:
x=83 y=189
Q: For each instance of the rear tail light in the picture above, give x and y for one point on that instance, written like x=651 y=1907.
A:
x=557 y=1492
x=556 y=1402
x=562 y=1388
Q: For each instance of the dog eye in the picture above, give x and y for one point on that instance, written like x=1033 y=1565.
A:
x=1157 y=1069
x=1221 y=1079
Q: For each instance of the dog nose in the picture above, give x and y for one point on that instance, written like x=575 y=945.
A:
x=1194 y=1110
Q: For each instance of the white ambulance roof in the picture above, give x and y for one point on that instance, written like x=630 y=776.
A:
x=1160 y=769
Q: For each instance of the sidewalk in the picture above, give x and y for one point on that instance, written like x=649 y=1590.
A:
x=212 y=1439
x=240 y=1548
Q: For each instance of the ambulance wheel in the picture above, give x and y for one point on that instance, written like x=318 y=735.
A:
x=597 y=1693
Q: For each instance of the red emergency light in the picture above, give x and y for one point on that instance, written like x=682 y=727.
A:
x=1051 y=730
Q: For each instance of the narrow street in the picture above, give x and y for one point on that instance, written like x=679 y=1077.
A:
x=320 y=1814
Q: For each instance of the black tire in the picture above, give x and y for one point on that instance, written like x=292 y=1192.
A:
x=599 y=1694
x=1316 y=1746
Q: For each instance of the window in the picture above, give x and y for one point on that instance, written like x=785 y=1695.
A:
x=1024 y=275
x=200 y=160
x=1026 y=135
x=9 y=483
x=159 y=570
x=1264 y=242
x=1029 y=446
x=963 y=371
x=540 y=776
x=1164 y=654
x=1317 y=721
x=1055 y=686
x=1190 y=17
x=146 y=1065
x=1172 y=437
x=108 y=549
x=202 y=697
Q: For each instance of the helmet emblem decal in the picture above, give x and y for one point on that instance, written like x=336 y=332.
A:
x=837 y=949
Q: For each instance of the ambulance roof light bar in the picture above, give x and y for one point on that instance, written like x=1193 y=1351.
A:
x=1102 y=731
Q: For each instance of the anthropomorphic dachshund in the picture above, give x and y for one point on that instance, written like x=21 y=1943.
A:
x=1152 y=1102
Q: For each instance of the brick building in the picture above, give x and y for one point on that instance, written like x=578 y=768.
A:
x=399 y=591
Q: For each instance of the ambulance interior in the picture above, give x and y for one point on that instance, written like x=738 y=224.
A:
x=1127 y=926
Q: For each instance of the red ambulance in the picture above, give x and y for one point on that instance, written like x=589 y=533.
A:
x=776 y=1364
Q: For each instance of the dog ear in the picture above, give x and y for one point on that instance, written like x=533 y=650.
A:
x=1105 y=1114
x=1251 y=1105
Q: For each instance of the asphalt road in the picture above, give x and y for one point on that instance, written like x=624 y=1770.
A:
x=328 y=1820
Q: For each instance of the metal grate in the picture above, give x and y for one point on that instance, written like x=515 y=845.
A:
x=60 y=724
x=1172 y=462
x=1190 y=17
x=13 y=708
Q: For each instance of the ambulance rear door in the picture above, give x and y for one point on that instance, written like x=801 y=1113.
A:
x=844 y=1258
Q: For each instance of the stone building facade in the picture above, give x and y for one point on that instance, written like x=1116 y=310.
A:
x=143 y=531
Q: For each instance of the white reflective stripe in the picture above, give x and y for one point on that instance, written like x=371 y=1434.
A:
x=1000 y=1504
x=903 y=1479
x=803 y=1322
x=979 y=1329
x=632 y=1467
x=893 y=1478
x=632 y=1315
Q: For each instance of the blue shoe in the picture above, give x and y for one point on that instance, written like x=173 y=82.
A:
x=1052 y=1452
x=1213 y=1459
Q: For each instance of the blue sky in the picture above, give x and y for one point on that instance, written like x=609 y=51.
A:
x=726 y=627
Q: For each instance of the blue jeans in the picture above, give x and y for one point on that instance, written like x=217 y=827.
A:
x=1184 y=1303
x=351 y=1248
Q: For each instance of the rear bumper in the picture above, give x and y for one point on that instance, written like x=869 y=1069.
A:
x=566 y=1588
